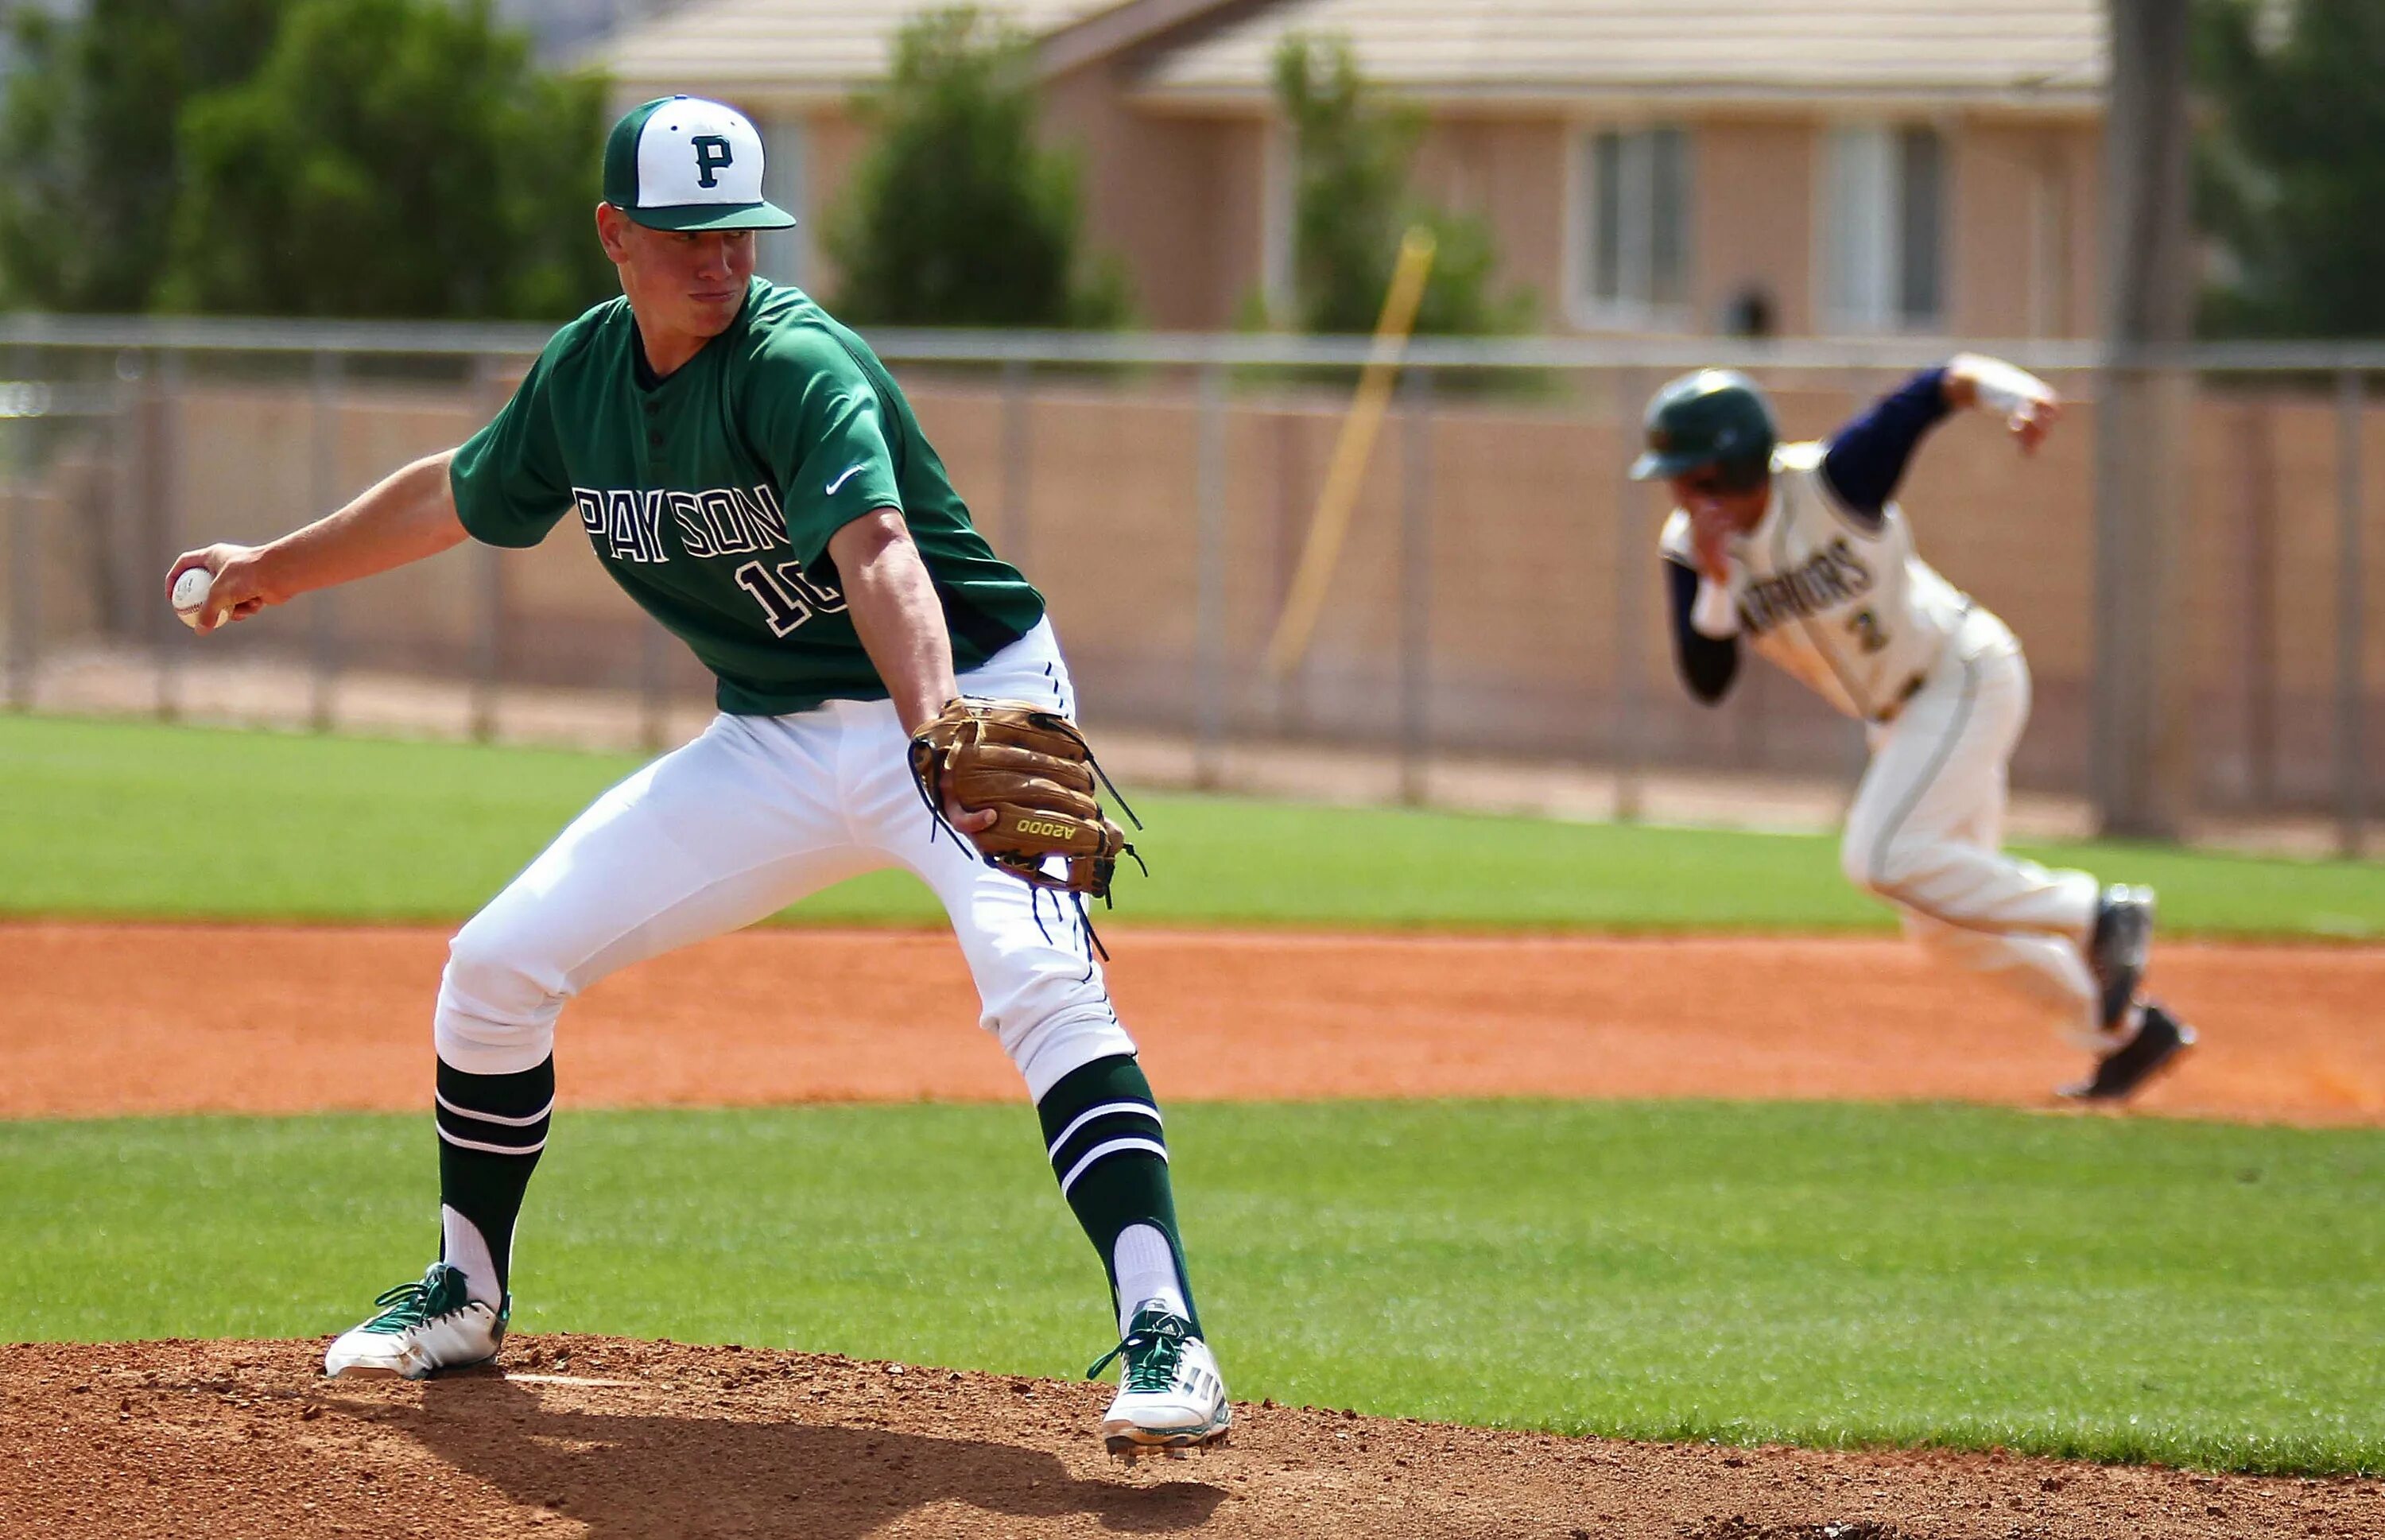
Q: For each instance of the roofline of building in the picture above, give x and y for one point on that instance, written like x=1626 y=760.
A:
x=2067 y=104
x=1535 y=101
x=1152 y=26
x=1125 y=26
x=1103 y=33
x=1540 y=99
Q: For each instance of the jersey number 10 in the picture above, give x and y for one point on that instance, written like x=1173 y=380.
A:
x=788 y=597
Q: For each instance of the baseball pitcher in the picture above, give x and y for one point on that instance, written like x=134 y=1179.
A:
x=751 y=475
x=1801 y=551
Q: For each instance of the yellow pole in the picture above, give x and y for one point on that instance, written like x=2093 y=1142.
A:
x=1328 y=526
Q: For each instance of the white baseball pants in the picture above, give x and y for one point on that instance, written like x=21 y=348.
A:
x=753 y=815
x=1926 y=822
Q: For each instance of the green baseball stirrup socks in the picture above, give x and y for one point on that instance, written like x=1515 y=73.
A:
x=1102 y=1130
x=491 y=1129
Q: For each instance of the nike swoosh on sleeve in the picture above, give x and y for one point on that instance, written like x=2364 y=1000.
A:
x=850 y=472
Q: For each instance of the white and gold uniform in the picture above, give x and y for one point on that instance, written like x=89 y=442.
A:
x=1836 y=596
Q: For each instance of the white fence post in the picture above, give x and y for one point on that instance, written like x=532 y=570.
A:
x=1209 y=582
x=489 y=638
x=1017 y=465
x=2350 y=692
x=1625 y=744
x=24 y=584
x=1416 y=590
x=323 y=493
x=161 y=480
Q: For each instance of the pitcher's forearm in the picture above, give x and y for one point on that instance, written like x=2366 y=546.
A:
x=894 y=610
x=403 y=517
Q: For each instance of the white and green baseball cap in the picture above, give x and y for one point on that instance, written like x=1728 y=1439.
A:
x=684 y=163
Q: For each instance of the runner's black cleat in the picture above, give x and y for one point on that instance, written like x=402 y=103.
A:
x=2160 y=1042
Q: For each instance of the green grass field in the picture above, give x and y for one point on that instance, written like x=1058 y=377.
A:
x=2138 y=1290
x=2118 y=1289
x=135 y=820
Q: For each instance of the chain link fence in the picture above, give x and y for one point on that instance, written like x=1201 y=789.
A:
x=1496 y=602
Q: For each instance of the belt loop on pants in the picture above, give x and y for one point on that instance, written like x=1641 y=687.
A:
x=1888 y=713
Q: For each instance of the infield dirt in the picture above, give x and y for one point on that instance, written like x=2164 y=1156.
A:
x=601 y=1437
x=604 y=1437
x=111 y=1019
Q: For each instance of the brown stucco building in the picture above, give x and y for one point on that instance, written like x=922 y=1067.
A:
x=1689 y=166
x=1646 y=165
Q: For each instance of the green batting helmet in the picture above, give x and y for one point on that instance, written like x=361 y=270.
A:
x=1715 y=417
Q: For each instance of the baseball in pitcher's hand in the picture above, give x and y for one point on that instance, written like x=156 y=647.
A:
x=239 y=590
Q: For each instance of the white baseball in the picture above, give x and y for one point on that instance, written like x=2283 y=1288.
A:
x=190 y=596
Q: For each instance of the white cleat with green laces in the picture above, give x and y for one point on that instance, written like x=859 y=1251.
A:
x=1170 y=1397
x=421 y=1329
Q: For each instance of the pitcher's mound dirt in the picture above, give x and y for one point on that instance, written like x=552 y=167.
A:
x=599 y=1436
x=106 y=1019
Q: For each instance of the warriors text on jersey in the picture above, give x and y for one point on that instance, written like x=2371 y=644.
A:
x=1834 y=595
x=710 y=495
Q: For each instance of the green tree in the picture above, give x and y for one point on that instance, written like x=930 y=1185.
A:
x=956 y=215
x=1352 y=203
x=2290 y=168
x=88 y=136
x=392 y=158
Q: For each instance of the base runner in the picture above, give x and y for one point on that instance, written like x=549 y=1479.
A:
x=1802 y=550
x=748 y=471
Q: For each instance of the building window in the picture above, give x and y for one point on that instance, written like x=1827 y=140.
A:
x=1631 y=197
x=1883 y=223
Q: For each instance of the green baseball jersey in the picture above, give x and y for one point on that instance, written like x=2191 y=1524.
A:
x=710 y=495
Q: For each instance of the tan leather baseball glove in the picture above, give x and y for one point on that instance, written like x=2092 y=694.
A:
x=1032 y=769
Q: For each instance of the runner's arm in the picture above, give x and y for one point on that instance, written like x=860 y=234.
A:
x=1707 y=664
x=1866 y=457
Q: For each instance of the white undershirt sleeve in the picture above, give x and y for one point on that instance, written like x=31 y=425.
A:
x=1712 y=613
x=2003 y=388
